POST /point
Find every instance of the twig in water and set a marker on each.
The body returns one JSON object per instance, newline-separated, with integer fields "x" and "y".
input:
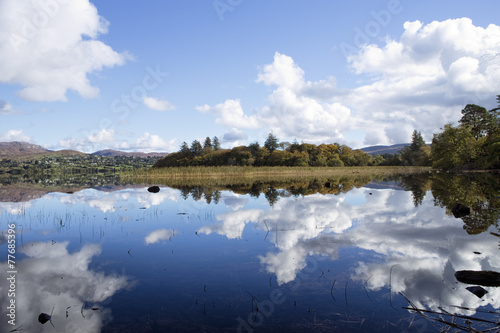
{"x": 390, "y": 286}
{"x": 420, "y": 312}
{"x": 51, "y": 312}
{"x": 331, "y": 290}
{"x": 254, "y": 299}
{"x": 364, "y": 287}
{"x": 17, "y": 329}
{"x": 345, "y": 293}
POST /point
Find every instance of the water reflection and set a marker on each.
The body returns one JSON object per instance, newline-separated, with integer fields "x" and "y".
{"x": 50, "y": 277}
{"x": 210, "y": 256}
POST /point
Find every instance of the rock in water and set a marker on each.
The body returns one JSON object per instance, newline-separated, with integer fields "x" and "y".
{"x": 460, "y": 210}
{"x": 482, "y": 278}
{"x": 154, "y": 189}
{"x": 43, "y": 318}
{"x": 478, "y": 291}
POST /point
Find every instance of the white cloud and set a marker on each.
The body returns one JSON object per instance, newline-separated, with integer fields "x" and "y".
{"x": 158, "y": 104}
{"x": 151, "y": 142}
{"x": 106, "y": 139}
{"x": 50, "y": 47}
{"x": 102, "y": 137}
{"x": 295, "y": 108}
{"x": 283, "y": 72}
{"x": 231, "y": 114}
{"x": 424, "y": 79}
{"x": 421, "y": 80}
{"x": 6, "y": 108}
{"x": 14, "y": 135}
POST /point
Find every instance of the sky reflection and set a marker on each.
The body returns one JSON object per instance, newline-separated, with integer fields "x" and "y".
{"x": 74, "y": 245}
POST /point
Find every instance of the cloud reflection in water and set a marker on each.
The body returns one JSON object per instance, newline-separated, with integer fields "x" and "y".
{"x": 51, "y": 277}
{"x": 423, "y": 246}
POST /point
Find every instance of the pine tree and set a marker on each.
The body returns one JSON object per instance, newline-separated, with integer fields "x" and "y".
{"x": 215, "y": 143}
{"x": 271, "y": 143}
{"x": 207, "y": 143}
{"x": 417, "y": 141}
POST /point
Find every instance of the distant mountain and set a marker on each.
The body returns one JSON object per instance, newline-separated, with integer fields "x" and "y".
{"x": 23, "y": 150}
{"x": 381, "y": 150}
{"x": 113, "y": 153}
{"x": 16, "y": 148}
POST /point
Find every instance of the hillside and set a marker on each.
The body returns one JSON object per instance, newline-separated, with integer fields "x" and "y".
{"x": 16, "y": 148}
{"x": 25, "y": 151}
{"x": 113, "y": 153}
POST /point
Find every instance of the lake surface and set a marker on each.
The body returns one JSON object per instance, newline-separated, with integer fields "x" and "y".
{"x": 342, "y": 256}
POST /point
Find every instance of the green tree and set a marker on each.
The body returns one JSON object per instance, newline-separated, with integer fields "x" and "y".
{"x": 215, "y": 143}
{"x": 271, "y": 143}
{"x": 184, "y": 148}
{"x": 455, "y": 147}
{"x": 477, "y": 119}
{"x": 196, "y": 147}
{"x": 417, "y": 141}
{"x": 208, "y": 143}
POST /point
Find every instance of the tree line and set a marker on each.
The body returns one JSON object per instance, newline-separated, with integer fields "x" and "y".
{"x": 473, "y": 144}
{"x": 272, "y": 153}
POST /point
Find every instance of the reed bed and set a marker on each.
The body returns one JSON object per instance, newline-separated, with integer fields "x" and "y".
{"x": 227, "y": 175}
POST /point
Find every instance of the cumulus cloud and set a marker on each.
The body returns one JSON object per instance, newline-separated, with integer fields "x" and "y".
{"x": 14, "y": 135}
{"x": 158, "y": 104}
{"x": 295, "y": 108}
{"x": 231, "y": 114}
{"x": 106, "y": 139}
{"x": 151, "y": 142}
{"x": 425, "y": 78}
{"x": 421, "y": 80}
{"x": 49, "y": 47}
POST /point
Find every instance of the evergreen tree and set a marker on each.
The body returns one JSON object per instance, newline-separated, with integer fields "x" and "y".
{"x": 215, "y": 143}
{"x": 196, "y": 147}
{"x": 184, "y": 148}
{"x": 417, "y": 141}
{"x": 271, "y": 143}
{"x": 207, "y": 143}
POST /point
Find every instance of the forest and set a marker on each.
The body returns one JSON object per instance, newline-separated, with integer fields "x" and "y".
{"x": 473, "y": 144}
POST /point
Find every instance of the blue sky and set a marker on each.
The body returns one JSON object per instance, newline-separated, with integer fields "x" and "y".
{"x": 148, "y": 76}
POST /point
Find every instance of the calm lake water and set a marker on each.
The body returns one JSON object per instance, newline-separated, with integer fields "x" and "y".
{"x": 342, "y": 256}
